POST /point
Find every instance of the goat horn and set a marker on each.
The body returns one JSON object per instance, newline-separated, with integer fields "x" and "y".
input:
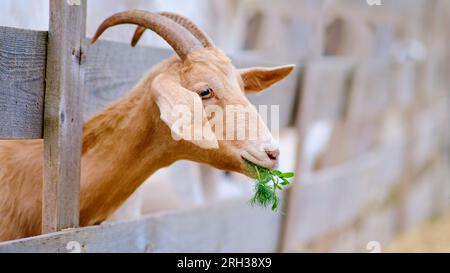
{"x": 181, "y": 40}
{"x": 181, "y": 20}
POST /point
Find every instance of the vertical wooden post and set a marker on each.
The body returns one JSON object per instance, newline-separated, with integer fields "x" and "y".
{"x": 290, "y": 197}
{"x": 406, "y": 180}
{"x": 63, "y": 117}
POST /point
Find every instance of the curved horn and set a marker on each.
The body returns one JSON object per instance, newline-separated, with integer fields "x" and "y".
{"x": 181, "y": 20}
{"x": 181, "y": 40}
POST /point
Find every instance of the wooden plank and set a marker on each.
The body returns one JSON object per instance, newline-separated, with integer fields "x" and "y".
{"x": 22, "y": 75}
{"x": 112, "y": 68}
{"x": 344, "y": 191}
{"x": 63, "y": 115}
{"x": 323, "y": 98}
{"x": 325, "y": 87}
{"x": 110, "y": 71}
{"x": 229, "y": 226}
{"x": 373, "y": 90}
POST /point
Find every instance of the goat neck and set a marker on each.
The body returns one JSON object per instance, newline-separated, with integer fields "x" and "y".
{"x": 122, "y": 146}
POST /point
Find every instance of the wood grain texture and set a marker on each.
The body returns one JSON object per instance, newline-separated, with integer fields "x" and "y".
{"x": 22, "y": 74}
{"x": 112, "y": 68}
{"x": 229, "y": 226}
{"x": 63, "y": 116}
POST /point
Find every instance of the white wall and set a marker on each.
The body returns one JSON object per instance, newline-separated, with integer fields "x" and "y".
{"x": 98, "y": 10}
{"x": 29, "y": 14}
{"x": 33, "y": 14}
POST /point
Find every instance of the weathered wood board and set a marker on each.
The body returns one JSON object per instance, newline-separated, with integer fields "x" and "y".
{"x": 331, "y": 198}
{"x": 231, "y": 226}
{"x": 22, "y": 75}
{"x": 110, "y": 71}
{"x": 373, "y": 82}
{"x": 325, "y": 88}
{"x": 63, "y": 116}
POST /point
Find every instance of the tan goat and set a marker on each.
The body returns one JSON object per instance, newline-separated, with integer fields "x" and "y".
{"x": 132, "y": 138}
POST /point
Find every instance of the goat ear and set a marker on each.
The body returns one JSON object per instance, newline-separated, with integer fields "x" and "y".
{"x": 182, "y": 110}
{"x": 258, "y": 78}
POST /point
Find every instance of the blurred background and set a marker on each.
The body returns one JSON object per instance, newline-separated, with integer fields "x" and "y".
{"x": 364, "y": 122}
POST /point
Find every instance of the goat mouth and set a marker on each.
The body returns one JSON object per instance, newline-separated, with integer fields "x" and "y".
{"x": 265, "y": 163}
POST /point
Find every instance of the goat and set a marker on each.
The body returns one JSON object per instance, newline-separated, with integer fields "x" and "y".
{"x": 133, "y": 137}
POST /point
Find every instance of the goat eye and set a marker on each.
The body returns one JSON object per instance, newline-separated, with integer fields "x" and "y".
{"x": 206, "y": 93}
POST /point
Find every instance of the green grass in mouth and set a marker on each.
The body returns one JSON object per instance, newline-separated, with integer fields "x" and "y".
{"x": 267, "y": 183}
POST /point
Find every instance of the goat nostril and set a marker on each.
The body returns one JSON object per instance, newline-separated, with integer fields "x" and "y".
{"x": 273, "y": 154}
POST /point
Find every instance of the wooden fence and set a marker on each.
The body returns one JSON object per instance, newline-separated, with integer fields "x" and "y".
{"x": 45, "y": 73}
{"x": 365, "y": 175}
